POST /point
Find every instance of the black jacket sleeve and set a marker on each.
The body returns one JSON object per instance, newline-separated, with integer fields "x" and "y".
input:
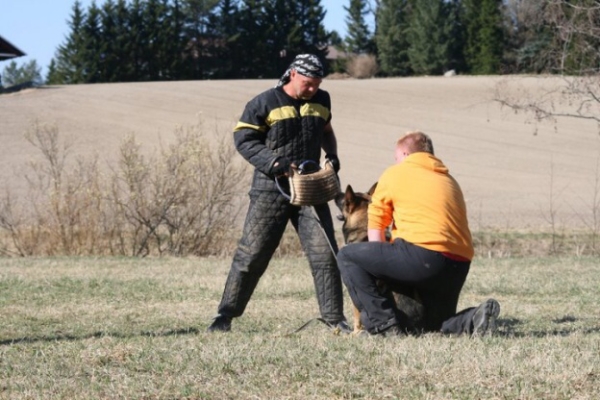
{"x": 250, "y": 136}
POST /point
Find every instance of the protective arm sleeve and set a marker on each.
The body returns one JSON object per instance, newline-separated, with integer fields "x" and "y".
{"x": 250, "y": 136}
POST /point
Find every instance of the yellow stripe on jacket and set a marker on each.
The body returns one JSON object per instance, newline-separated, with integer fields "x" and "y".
{"x": 425, "y": 204}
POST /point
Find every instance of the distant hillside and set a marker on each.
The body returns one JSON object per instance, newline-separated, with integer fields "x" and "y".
{"x": 512, "y": 178}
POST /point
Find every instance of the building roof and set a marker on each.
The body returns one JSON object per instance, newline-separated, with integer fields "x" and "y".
{"x": 333, "y": 53}
{"x": 8, "y": 50}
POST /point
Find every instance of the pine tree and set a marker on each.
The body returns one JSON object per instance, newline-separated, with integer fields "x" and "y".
{"x": 456, "y": 39}
{"x": 253, "y": 37}
{"x": 429, "y": 37}
{"x": 68, "y": 59}
{"x": 123, "y": 44}
{"x": 110, "y": 63}
{"x": 203, "y": 42}
{"x": 93, "y": 47}
{"x": 491, "y": 37}
{"x": 137, "y": 43}
{"x": 391, "y": 39}
{"x": 307, "y": 34}
{"x": 51, "y": 75}
{"x": 282, "y": 36}
{"x": 484, "y": 42}
{"x": 167, "y": 43}
{"x": 14, "y": 74}
{"x": 175, "y": 43}
{"x": 226, "y": 24}
{"x": 152, "y": 16}
{"x": 310, "y": 16}
{"x": 358, "y": 39}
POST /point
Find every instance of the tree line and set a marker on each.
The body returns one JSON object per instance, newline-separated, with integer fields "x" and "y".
{"x": 429, "y": 37}
{"x": 152, "y": 40}
{"x": 157, "y": 40}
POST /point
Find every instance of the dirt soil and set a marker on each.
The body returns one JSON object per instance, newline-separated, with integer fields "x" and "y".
{"x": 515, "y": 174}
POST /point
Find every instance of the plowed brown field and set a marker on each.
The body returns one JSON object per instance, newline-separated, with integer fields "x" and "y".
{"x": 514, "y": 173}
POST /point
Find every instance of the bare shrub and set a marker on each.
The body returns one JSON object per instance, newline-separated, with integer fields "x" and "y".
{"x": 59, "y": 214}
{"x": 180, "y": 201}
{"x": 362, "y": 66}
{"x": 573, "y": 54}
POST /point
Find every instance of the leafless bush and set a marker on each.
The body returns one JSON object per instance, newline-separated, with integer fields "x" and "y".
{"x": 59, "y": 214}
{"x": 565, "y": 97}
{"x": 577, "y": 34}
{"x": 573, "y": 54}
{"x": 180, "y": 201}
{"x": 362, "y": 66}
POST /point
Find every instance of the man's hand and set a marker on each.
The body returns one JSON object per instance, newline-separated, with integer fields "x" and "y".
{"x": 334, "y": 160}
{"x": 281, "y": 167}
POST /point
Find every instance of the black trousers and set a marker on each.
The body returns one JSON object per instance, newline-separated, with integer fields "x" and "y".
{"x": 268, "y": 214}
{"x": 437, "y": 280}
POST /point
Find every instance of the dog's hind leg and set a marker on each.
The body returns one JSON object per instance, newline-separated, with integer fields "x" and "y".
{"x": 357, "y": 325}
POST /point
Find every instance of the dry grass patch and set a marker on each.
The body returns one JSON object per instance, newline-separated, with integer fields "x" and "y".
{"x": 81, "y": 328}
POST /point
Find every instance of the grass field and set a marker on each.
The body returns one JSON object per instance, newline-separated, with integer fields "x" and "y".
{"x": 121, "y": 328}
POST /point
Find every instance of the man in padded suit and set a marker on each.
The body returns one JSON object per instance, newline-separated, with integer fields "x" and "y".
{"x": 280, "y": 128}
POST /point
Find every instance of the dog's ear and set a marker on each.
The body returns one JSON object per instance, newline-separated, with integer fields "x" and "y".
{"x": 372, "y": 190}
{"x": 349, "y": 190}
{"x": 349, "y": 199}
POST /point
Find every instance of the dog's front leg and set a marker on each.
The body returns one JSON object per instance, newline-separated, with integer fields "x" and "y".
{"x": 356, "y": 321}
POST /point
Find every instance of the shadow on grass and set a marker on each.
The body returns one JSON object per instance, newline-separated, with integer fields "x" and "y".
{"x": 100, "y": 334}
{"x": 510, "y": 328}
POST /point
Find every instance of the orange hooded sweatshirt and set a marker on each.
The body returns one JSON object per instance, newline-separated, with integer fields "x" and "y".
{"x": 425, "y": 204}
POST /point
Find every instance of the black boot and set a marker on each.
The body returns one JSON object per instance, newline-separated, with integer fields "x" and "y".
{"x": 221, "y": 323}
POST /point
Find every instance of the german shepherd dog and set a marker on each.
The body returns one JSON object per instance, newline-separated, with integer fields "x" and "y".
{"x": 353, "y": 207}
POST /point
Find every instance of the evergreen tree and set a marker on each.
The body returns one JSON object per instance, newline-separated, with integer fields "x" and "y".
{"x": 14, "y": 74}
{"x": 116, "y": 62}
{"x": 93, "y": 46}
{"x": 335, "y": 39}
{"x": 167, "y": 43}
{"x": 491, "y": 37}
{"x": 52, "y": 76}
{"x": 358, "y": 39}
{"x": 109, "y": 65}
{"x": 310, "y": 16}
{"x": 69, "y": 63}
{"x": 391, "y": 39}
{"x": 187, "y": 39}
{"x": 429, "y": 36}
{"x": 251, "y": 45}
{"x": 137, "y": 44}
{"x": 152, "y": 56}
{"x": 226, "y": 23}
{"x": 202, "y": 34}
{"x": 175, "y": 42}
{"x": 456, "y": 39}
{"x": 306, "y": 34}
{"x": 122, "y": 49}
{"x": 484, "y": 42}
{"x": 282, "y": 37}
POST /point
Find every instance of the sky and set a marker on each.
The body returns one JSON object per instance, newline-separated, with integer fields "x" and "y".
{"x": 38, "y": 27}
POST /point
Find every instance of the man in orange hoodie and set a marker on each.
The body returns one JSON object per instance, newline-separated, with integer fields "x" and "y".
{"x": 430, "y": 250}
